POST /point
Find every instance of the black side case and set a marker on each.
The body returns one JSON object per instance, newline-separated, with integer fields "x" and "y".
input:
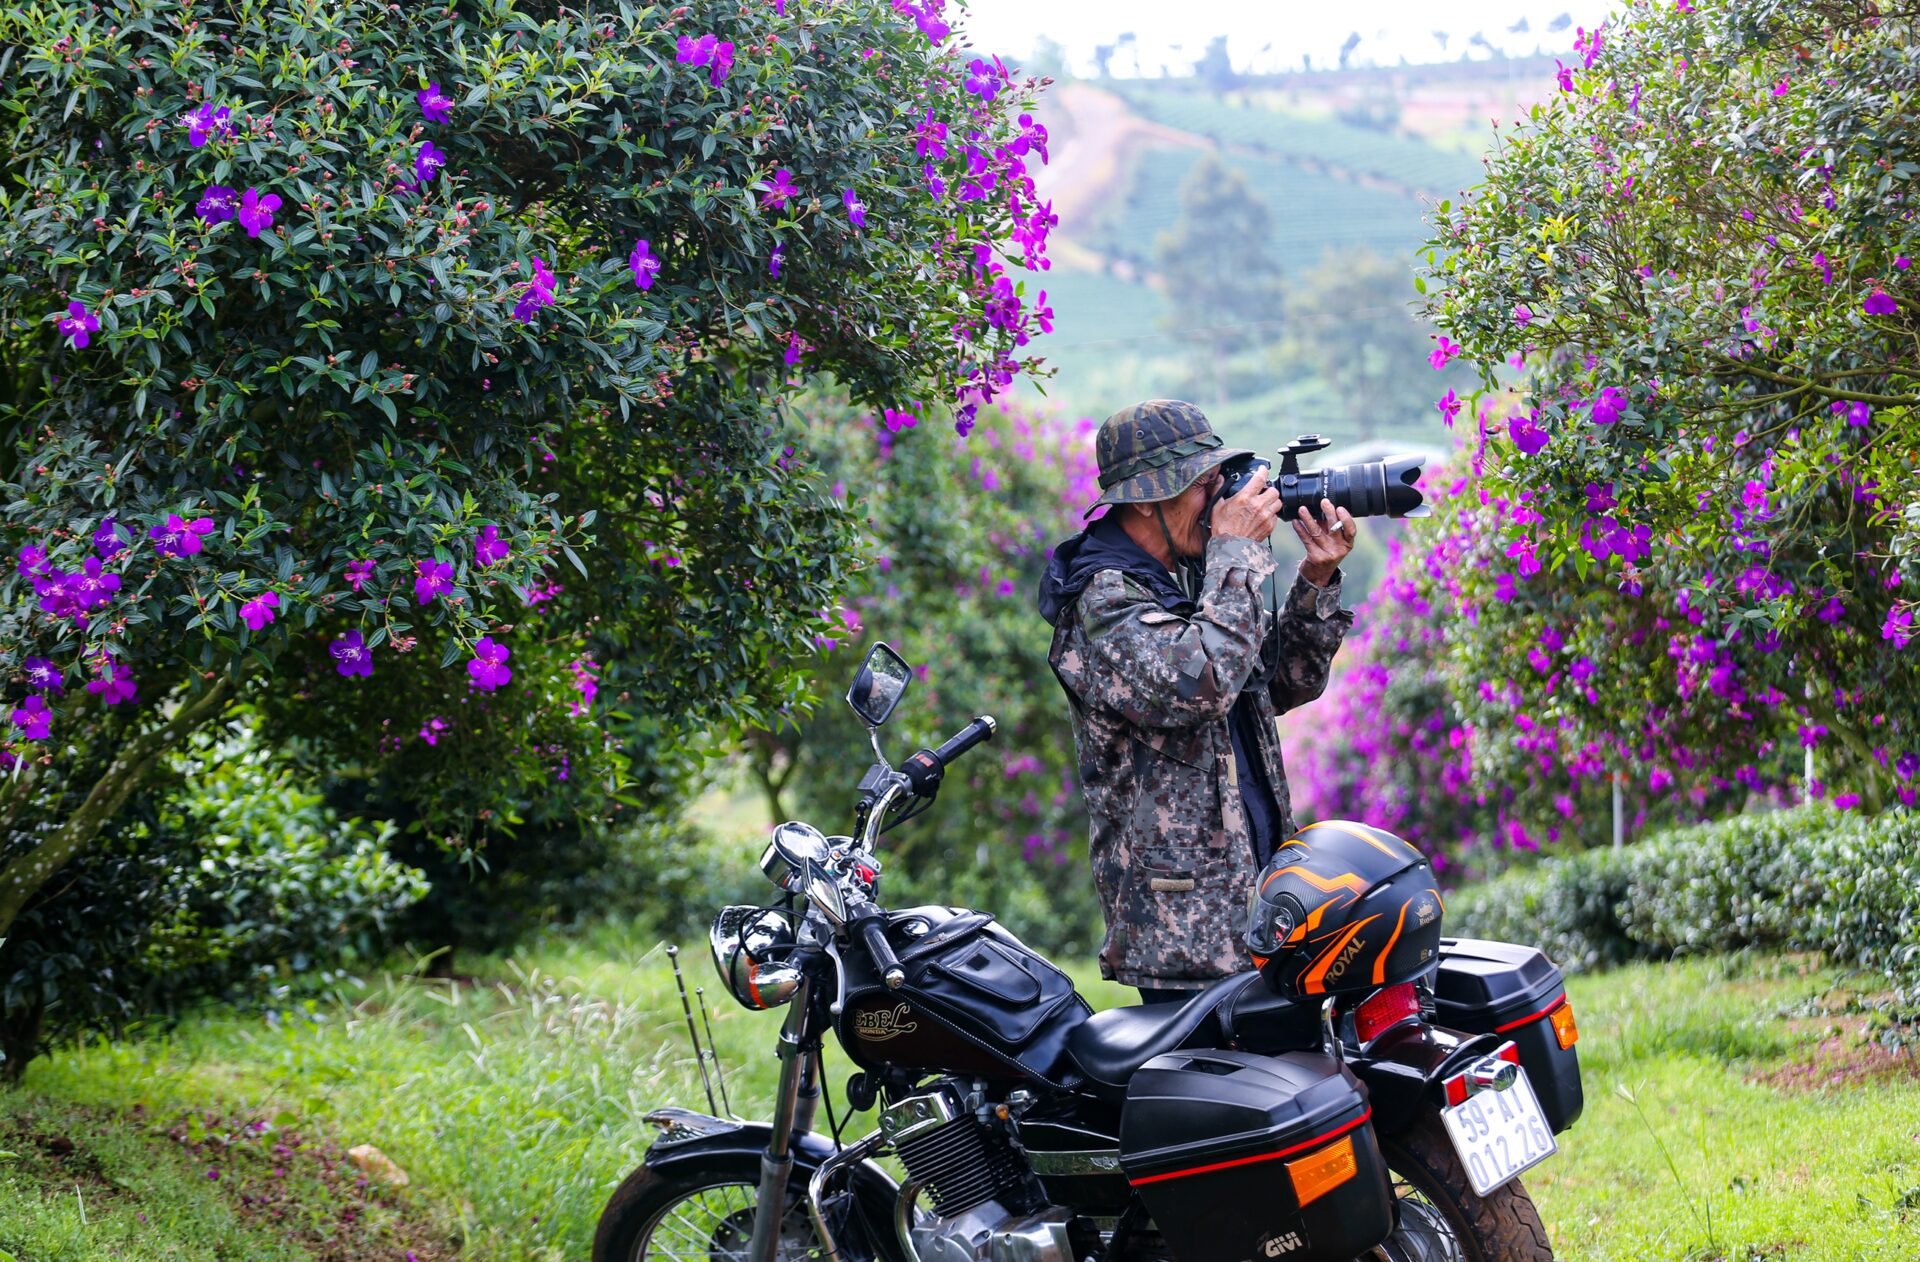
{"x": 1210, "y": 1141}
{"x": 1483, "y": 987}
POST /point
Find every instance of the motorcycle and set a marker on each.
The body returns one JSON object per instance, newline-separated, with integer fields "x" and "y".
{"x": 1369, "y": 1102}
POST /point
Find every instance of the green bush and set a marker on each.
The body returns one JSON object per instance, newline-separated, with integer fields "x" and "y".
{"x": 231, "y": 877}
{"x": 1807, "y": 879}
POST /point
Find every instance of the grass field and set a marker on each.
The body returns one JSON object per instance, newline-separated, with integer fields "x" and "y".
{"x": 512, "y": 1101}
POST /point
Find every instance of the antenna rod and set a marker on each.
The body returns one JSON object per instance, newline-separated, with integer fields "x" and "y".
{"x": 699, "y": 1056}
{"x": 713, "y": 1049}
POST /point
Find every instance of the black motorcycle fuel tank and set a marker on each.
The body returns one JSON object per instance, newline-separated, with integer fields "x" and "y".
{"x": 976, "y": 1000}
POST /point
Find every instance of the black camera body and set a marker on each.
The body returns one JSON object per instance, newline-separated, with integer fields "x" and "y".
{"x": 1377, "y": 488}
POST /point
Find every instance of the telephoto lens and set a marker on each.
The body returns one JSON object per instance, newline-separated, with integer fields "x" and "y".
{"x": 1377, "y": 488}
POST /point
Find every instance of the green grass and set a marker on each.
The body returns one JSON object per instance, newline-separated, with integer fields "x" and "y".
{"x": 514, "y": 1106}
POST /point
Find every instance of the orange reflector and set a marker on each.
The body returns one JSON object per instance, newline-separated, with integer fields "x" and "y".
{"x": 1315, "y": 1176}
{"x": 1564, "y": 1028}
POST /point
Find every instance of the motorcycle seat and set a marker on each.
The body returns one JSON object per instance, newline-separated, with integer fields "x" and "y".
{"x": 1109, "y": 1046}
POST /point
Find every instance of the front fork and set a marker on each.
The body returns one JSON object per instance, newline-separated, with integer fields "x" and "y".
{"x": 794, "y": 1101}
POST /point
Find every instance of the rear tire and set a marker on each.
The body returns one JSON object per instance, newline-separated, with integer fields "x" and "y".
{"x": 1441, "y": 1220}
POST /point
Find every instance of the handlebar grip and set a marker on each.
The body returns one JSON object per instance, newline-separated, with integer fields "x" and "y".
{"x": 966, "y": 738}
{"x": 873, "y": 932}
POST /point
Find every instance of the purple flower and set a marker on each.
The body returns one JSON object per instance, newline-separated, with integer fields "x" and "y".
{"x": 1449, "y": 407}
{"x": 488, "y": 669}
{"x": 434, "y": 103}
{"x": 256, "y": 211}
{"x": 56, "y": 600}
{"x": 1879, "y": 302}
{"x": 932, "y": 136}
{"x": 779, "y": 189}
{"x": 1902, "y": 263}
{"x": 31, "y": 561}
{"x": 79, "y": 324}
{"x": 644, "y": 264}
{"x": 428, "y": 160}
{"x": 1857, "y": 413}
{"x": 722, "y": 63}
{"x": 1600, "y": 497}
{"x": 488, "y": 547}
{"x": 218, "y": 204}
{"x": 1783, "y": 87}
{"x": 1564, "y": 76}
{"x": 205, "y": 123}
{"x": 109, "y": 539}
{"x": 1443, "y": 353}
{"x": 930, "y": 24}
{"x": 1527, "y": 434}
{"x": 1831, "y": 612}
{"x": 431, "y": 578}
{"x": 44, "y": 675}
{"x": 982, "y": 80}
{"x": 358, "y": 572}
{"x": 856, "y": 209}
{"x": 775, "y": 259}
{"x": 89, "y": 588}
{"x": 351, "y": 656}
{"x": 1522, "y": 315}
{"x": 115, "y": 684}
{"x": 539, "y": 292}
{"x": 179, "y": 538}
{"x": 33, "y": 719}
{"x": 258, "y": 612}
{"x": 1898, "y": 627}
{"x": 696, "y": 52}
{"x": 1608, "y": 406}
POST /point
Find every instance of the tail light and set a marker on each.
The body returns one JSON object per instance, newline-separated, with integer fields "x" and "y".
{"x": 1385, "y": 1009}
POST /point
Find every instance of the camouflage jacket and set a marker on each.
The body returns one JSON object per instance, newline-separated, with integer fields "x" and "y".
{"x": 1151, "y": 688}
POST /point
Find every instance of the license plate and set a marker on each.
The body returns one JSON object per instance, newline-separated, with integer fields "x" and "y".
{"x": 1499, "y": 1133}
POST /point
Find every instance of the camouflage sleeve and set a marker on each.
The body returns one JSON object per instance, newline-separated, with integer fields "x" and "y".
{"x": 1309, "y": 627}
{"x": 1158, "y": 669}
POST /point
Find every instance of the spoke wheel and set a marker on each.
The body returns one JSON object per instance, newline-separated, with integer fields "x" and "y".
{"x": 652, "y": 1219}
{"x": 1421, "y": 1232}
{"x": 715, "y": 1224}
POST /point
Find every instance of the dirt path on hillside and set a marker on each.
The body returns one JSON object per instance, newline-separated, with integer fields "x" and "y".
{"x": 1091, "y": 131}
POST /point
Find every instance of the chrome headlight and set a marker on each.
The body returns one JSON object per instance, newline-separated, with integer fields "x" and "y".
{"x": 752, "y": 949}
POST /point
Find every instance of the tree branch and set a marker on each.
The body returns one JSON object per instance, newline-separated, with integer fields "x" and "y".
{"x": 26, "y": 875}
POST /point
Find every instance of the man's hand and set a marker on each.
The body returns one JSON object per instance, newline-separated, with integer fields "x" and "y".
{"x": 1328, "y": 539}
{"x": 1250, "y": 514}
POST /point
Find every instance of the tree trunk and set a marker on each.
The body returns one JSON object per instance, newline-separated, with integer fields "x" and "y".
{"x": 27, "y": 874}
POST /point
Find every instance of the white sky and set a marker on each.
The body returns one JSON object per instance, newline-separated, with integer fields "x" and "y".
{"x": 1272, "y": 35}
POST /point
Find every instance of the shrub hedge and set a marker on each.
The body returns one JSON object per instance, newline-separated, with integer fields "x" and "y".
{"x": 1806, "y": 879}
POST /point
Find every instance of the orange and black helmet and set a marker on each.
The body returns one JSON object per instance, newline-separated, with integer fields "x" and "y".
{"x": 1343, "y": 907}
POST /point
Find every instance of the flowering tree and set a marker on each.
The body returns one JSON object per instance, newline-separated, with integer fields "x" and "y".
{"x": 1700, "y": 254}
{"x": 955, "y": 563}
{"x": 1485, "y": 707}
{"x": 335, "y": 333}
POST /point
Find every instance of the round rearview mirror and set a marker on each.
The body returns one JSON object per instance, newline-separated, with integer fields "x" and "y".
{"x": 882, "y": 681}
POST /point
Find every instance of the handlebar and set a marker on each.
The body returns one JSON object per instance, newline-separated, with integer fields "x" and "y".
{"x": 873, "y": 933}
{"x": 925, "y": 768}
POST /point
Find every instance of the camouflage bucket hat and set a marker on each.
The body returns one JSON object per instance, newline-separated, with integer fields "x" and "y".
{"x": 1155, "y": 450}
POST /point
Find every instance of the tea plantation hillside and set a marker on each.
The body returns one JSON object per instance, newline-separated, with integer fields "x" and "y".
{"x": 1365, "y": 151}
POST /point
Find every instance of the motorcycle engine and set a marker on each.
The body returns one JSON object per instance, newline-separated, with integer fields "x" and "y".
{"x": 987, "y": 1205}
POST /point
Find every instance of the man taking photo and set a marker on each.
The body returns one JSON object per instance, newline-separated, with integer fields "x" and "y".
{"x": 1175, "y": 672}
